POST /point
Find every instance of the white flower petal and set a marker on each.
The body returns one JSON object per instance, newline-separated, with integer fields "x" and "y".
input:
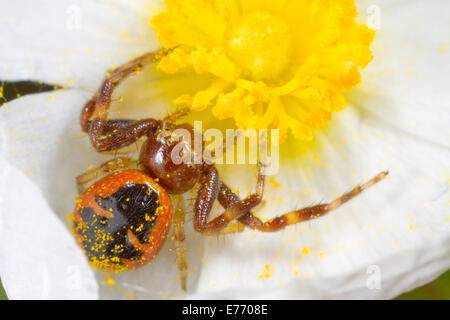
{"x": 72, "y": 42}
{"x": 39, "y": 258}
{"x": 407, "y": 83}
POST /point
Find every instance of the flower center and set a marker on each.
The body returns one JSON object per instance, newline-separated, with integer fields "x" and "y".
{"x": 268, "y": 63}
{"x": 260, "y": 44}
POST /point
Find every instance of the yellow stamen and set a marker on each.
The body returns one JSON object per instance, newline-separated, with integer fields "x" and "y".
{"x": 261, "y": 44}
{"x": 269, "y": 64}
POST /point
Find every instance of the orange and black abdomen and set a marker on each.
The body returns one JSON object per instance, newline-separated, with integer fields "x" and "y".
{"x": 122, "y": 221}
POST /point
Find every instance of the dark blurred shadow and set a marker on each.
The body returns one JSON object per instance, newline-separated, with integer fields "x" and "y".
{"x": 17, "y": 89}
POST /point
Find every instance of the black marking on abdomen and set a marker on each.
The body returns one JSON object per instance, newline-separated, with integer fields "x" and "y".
{"x": 134, "y": 208}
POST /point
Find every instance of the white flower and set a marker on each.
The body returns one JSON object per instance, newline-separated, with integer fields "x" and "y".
{"x": 391, "y": 239}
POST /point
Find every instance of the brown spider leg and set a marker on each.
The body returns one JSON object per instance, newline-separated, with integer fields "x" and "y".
{"x": 207, "y": 195}
{"x": 175, "y": 116}
{"x": 232, "y": 228}
{"x": 227, "y": 198}
{"x": 121, "y": 133}
{"x": 102, "y": 99}
{"x": 105, "y": 168}
{"x": 117, "y": 134}
{"x": 178, "y": 228}
{"x": 87, "y": 113}
{"x": 95, "y": 119}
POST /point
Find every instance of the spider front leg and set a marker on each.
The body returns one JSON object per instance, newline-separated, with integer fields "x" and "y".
{"x": 105, "y": 168}
{"x": 107, "y": 136}
{"x": 207, "y": 195}
{"x": 117, "y": 134}
{"x": 228, "y": 198}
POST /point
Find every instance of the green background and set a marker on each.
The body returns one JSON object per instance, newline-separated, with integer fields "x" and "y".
{"x": 437, "y": 290}
{"x": 2, "y": 292}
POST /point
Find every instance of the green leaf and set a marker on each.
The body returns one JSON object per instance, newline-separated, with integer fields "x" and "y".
{"x": 437, "y": 290}
{"x": 2, "y": 292}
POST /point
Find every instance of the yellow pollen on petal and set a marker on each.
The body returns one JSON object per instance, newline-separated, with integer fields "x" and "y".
{"x": 110, "y": 281}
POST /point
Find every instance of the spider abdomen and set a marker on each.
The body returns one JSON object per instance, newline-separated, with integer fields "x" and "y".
{"x": 122, "y": 221}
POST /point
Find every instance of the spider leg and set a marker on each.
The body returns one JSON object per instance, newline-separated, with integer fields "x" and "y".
{"x": 178, "y": 228}
{"x": 227, "y": 198}
{"x": 105, "y": 168}
{"x": 87, "y": 113}
{"x": 117, "y": 134}
{"x": 232, "y": 228}
{"x": 94, "y": 116}
{"x": 207, "y": 195}
{"x": 175, "y": 116}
